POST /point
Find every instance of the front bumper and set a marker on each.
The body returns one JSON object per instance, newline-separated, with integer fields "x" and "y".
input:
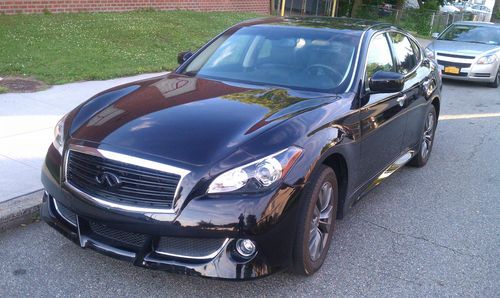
{"x": 472, "y": 72}
{"x": 268, "y": 220}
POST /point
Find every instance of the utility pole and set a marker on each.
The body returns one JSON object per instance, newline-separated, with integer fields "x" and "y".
{"x": 283, "y": 2}
{"x": 334, "y": 8}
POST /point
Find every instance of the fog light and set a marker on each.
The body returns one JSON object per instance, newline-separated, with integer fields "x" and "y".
{"x": 245, "y": 247}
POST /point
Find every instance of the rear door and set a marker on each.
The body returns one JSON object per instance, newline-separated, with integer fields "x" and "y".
{"x": 382, "y": 116}
{"x": 410, "y": 63}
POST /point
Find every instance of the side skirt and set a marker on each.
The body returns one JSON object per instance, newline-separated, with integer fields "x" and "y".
{"x": 396, "y": 165}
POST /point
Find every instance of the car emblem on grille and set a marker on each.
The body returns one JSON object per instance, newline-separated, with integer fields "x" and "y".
{"x": 108, "y": 180}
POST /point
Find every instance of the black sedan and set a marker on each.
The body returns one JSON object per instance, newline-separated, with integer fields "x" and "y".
{"x": 237, "y": 164}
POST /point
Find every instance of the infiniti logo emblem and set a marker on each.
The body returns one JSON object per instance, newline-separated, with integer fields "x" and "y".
{"x": 108, "y": 180}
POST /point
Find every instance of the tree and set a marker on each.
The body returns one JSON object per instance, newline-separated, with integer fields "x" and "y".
{"x": 495, "y": 16}
{"x": 356, "y": 5}
{"x": 430, "y": 4}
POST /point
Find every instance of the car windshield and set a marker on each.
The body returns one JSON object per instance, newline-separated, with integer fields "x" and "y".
{"x": 299, "y": 58}
{"x": 473, "y": 34}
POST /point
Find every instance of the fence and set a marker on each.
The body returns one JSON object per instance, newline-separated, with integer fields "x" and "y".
{"x": 440, "y": 21}
{"x": 304, "y": 7}
{"x": 423, "y": 22}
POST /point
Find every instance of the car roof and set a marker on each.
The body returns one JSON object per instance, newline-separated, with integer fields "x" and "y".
{"x": 317, "y": 22}
{"x": 485, "y": 24}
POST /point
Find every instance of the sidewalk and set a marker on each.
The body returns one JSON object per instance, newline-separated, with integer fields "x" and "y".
{"x": 26, "y": 130}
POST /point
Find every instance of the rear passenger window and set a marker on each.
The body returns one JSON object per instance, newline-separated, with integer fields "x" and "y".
{"x": 379, "y": 56}
{"x": 407, "y": 59}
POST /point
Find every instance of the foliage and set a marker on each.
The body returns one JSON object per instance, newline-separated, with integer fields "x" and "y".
{"x": 417, "y": 20}
{"x": 431, "y": 5}
{"x": 61, "y": 48}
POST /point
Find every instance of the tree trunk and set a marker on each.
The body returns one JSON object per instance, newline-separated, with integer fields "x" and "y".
{"x": 356, "y": 5}
{"x": 495, "y": 12}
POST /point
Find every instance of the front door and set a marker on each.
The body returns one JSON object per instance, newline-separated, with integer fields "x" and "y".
{"x": 382, "y": 115}
{"x": 417, "y": 74}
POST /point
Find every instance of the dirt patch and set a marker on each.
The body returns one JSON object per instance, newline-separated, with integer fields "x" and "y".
{"x": 18, "y": 84}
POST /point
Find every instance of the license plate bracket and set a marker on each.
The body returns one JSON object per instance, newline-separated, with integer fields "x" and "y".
{"x": 452, "y": 70}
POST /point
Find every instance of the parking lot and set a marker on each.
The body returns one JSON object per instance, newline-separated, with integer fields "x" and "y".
{"x": 430, "y": 231}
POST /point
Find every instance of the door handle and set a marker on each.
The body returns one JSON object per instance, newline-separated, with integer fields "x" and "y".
{"x": 401, "y": 100}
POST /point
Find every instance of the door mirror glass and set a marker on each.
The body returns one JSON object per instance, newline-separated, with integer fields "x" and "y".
{"x": 435, "y": 35}
{"x": 184, "y": 56}
{"x": 386, "y": 82}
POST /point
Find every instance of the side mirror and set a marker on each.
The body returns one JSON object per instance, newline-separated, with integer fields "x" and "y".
{"x": 435, "y": 35}
{"x": 386, "y": 82}
{"x": 184, "y": 56}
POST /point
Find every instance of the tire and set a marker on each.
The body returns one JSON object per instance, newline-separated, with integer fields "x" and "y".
{"x": 306, "y": 259}
{"x": 426, "y": 139}
{"x": 496, "y": 82}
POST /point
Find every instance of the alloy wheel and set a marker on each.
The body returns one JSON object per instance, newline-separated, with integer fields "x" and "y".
{"x": 428, "y": 135}
{"x": 321, "y": 221}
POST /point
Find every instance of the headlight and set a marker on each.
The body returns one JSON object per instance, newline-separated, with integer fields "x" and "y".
{"x": 429, "y": 53}
{"x": 59, "y": 135}
{"x": 489, "y": 59}
{"x": 258, "y": 175}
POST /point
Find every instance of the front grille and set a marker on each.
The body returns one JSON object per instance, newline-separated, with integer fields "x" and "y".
{"x": 455, "y": 55}
{"x": 456, "y": 64}
{"x": 122, "y": 237}
{"x": 65, "y": 213}
{"x": 140, "y": 186}
{"x": 189, "y": 247}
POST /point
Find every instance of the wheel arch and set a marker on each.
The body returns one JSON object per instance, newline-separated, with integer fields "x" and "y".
{"x": 338, "y": 164}
{"x": 437, "y": 105}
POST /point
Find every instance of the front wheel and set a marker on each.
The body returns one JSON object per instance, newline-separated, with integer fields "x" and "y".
{"x": 426, "y": 140}
{"x": 316, "y": 222}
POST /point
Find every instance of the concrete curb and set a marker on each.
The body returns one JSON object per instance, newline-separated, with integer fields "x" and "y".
{"x": 24, "y": 209}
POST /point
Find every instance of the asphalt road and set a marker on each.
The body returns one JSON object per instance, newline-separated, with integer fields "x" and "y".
{"x": 432, "y": 231}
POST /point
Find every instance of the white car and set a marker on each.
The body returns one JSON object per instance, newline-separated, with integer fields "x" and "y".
{"x": 468, "y": 51}
{"x": 448, "y": 9}
{"x": 478, "y": 8}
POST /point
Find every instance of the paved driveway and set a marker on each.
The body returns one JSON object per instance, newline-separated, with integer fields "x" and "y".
{"x": 431, "y": 231}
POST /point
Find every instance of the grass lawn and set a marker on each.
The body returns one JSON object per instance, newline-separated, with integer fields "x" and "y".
{"x": 63, "y": 48}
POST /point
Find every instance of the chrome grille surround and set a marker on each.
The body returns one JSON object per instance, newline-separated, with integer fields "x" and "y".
{"x": 129, "y": 160}
{"x": 452, "y": 55}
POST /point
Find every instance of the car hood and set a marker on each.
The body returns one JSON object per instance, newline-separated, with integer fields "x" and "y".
{"x": 187, "y": 120}
{"x": 461, "y": 48}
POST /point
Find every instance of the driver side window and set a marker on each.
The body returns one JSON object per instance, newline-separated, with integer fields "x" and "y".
{"x": 379, "y": 56}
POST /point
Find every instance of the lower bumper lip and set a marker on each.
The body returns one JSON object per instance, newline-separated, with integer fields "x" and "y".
{"x": 219, "y": 264}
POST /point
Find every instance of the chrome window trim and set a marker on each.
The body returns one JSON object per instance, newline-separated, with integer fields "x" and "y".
{"x": 128, "y": 160}
{"x": 210, "y": 256}
{"x": 56, "y": 206}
